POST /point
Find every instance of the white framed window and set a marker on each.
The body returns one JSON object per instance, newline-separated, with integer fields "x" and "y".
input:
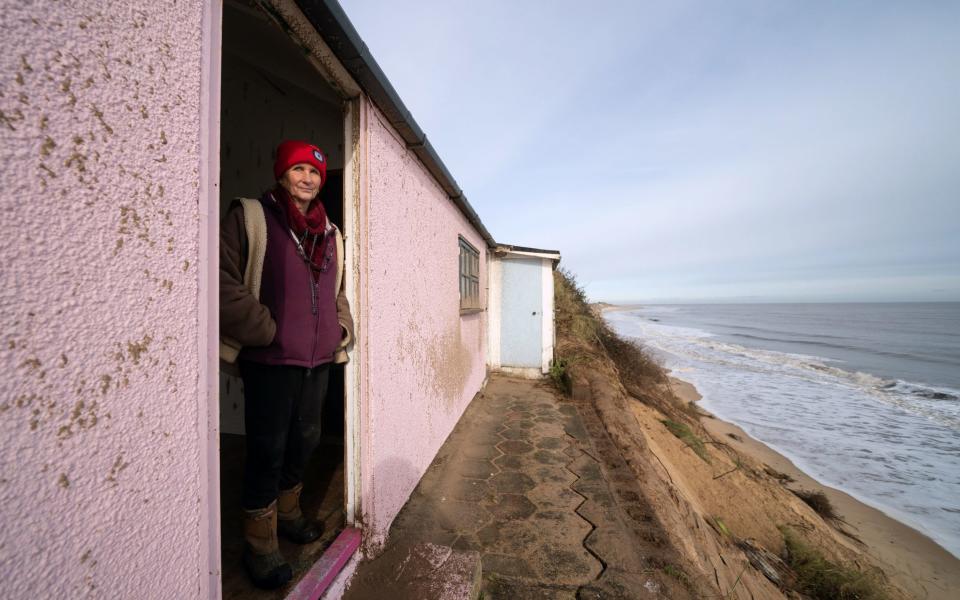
{"x": 469, "y": 277}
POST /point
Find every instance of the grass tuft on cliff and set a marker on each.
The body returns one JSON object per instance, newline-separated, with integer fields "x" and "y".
{"x": 819, "y": 502}
{"x": 583, "y": 337}
{"x": 684, "y": 434}
{"x": 822, "y": 579}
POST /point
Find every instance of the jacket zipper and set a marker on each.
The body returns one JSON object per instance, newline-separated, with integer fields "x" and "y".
{"x": 313, "y": 309}
{"x": 314, "y": 288}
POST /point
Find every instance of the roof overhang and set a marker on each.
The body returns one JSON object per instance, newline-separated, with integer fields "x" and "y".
{"x": 510, "y": 251}
{"x": 330, "y": 21}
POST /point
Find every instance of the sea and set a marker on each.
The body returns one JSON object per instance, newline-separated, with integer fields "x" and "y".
{"x": 865, "y": 398}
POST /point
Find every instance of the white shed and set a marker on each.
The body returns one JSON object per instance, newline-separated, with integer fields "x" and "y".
{"x": 520, "y": 307}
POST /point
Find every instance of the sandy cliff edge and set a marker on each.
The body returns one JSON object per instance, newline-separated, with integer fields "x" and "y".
{"x": 723, "y": 499}
{"x": 912, "y": 560}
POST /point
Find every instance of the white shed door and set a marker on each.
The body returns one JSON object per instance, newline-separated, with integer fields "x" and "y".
{"x": 522, "y": 322}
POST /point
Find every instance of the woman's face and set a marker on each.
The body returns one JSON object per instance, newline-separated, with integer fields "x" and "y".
{"x": 302, "y": 180}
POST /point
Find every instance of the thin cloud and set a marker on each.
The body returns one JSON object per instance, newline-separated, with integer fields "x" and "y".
{"x": 694, "y": 150}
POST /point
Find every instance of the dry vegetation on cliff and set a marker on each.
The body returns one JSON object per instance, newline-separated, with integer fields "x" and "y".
{"x": 741, "y": 532}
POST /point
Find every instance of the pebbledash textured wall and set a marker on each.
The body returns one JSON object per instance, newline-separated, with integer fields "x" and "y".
{"x": 102, "y": 426}
{"x": 423, "y": 360}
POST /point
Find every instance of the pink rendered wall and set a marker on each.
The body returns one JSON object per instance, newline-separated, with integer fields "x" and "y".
{"x": 423, "y": 361}
{"x": 103, "y": 417}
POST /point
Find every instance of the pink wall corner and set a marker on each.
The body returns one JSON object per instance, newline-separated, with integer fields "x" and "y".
{"x": 104, "y": 435}
{"x": 424, "y": 361}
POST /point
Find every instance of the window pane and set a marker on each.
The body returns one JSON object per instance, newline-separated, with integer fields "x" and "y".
{"x": 469, "y": 275}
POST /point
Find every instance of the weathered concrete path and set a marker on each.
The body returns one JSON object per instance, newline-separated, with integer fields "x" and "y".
{"x": 519, "y": 483}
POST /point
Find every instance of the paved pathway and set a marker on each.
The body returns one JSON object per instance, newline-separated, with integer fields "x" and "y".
{"x": 517, "y": 481}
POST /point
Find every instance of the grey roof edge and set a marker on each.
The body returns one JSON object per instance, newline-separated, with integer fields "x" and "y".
{"x": 333, "y": 25}
{"x": 504, "y": 248}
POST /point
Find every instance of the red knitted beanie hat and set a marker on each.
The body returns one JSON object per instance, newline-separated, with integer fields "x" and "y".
{"x": 292, "y": 152}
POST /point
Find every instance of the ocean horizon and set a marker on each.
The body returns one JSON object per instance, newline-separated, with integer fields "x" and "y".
{"x": 864, "y": 397}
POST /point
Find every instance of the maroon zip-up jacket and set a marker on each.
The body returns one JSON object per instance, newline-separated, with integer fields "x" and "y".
{"x": 305, "y": 308}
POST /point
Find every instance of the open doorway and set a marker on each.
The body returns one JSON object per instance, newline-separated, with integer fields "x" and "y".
{"x": 269, "y": 93}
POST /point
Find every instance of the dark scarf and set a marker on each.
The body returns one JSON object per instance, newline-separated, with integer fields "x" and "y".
{"x": 316, "y": 247}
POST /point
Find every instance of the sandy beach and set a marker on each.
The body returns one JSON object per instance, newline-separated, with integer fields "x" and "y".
{"x": 911, "y": 559}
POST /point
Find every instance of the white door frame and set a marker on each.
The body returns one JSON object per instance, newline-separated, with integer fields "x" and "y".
{"x": 208, "y": 276}
{"x": 352, "y": 374}
{"x": 301, "y": 31}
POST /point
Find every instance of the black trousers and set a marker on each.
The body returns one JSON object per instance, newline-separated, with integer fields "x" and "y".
{"x": 282, "y": 410}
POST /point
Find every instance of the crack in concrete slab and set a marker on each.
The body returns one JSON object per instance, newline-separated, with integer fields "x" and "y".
{"x": 583, "y": 542}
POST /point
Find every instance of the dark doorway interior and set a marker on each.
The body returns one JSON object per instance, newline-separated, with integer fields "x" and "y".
{"x": 269, "y": 93}
{"x": 322, "y": 499}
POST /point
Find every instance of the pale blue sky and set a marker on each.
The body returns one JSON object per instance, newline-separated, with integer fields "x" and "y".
{"x": 769, "y": 150}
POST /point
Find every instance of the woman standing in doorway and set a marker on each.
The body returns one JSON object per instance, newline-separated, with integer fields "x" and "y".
{"x": 284, "y": 314}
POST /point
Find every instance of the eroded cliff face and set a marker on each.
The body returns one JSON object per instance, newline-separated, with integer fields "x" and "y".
{"x": 694, "y": 551}
{"x": 720, "y": 517}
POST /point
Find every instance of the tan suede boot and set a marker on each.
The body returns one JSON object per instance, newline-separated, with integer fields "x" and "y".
{"x": 291, "y": 523}
{"x": 262, "y": 557}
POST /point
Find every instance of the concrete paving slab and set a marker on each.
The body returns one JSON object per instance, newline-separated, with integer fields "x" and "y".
{"x": 552, "y": 474}
{"x": 519, "y": 483}
{"x": 551, "y": 457}
{"x": 563, "y": 563}
{"x": 418, "y": 572}
{"x": 514, "y": 447}
{"x": 473, "y": 490}
{"x": 512, "y": 462}
{"x": 457, "y": 516}
{"x": 472, "y": 468}
{"x": 514, "y": 538}
{"x": 481, "y": 451}
{"x": 556, "y": 496}
{"x": 509, "y": 588}
{"x": 512, "y": 482}
{"x": 512, "y": 507}
{"x": 506, "y": 564}
{"x": 552, "y": 443}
